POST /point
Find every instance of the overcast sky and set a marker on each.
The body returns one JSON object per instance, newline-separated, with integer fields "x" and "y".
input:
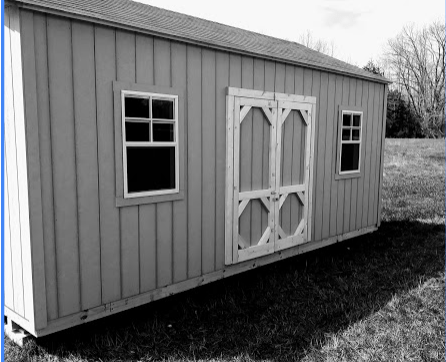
{"x": 359, "y": 29}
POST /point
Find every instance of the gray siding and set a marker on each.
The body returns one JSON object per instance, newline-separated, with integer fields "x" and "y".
{"x": 96, "y": 253}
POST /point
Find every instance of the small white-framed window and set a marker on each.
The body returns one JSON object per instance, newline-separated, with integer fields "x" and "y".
{"x": 150, "y": 143}
{"x": 350, "y": 139}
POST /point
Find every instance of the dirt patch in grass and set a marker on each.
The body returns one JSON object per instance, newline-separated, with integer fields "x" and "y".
{"x": 379, "y": 297}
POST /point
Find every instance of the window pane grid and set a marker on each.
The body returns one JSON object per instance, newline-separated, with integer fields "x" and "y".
{"x": 350, "y": 139}
{"x": 345, "y": 128}
{"x": 350, "y": 142}
{"x": 143, "y": 138}
{"x": 150, "y": 120}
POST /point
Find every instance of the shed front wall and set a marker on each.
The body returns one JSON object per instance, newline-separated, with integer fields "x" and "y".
{"x": 95, "y": 252}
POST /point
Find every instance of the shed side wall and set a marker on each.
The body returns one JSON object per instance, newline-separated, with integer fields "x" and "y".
{"x": 97, "y": 253}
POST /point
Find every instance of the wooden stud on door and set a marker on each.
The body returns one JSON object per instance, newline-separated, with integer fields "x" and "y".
{"x": 229, "y": 178}
{"x": 273, "y": 175}
{"x": 236, "y": 188}
{"x": 278, "y": 145}
{"x": 309, "y": 171}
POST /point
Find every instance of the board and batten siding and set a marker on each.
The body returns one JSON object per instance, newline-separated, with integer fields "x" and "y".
{"x": 95, "y": 252}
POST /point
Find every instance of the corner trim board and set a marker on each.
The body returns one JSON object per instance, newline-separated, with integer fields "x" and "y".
{"x": 383, "y": 146}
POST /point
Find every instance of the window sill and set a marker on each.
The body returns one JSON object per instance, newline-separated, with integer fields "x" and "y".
{"x": 347, "y": 176}
{"x": 122, "y": 202}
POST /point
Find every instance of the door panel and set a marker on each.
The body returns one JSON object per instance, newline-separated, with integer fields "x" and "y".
{"x": 252, "y": 175}
{"x": 247, "y": 243}
{"x": 292, "y": 182}
{"x": 268, "y": 168}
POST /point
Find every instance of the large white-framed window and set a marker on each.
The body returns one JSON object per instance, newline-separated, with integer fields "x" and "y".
{"x": 150, "y": 144}
{"x": 349, "y": 143}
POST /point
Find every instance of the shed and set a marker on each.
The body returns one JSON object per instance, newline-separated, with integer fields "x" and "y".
{"x": 149, "y": 152}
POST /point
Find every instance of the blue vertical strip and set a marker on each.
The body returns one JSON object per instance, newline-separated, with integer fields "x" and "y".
{"x": 2, "y": 353}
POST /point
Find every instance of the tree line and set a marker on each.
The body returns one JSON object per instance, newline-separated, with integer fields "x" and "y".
{"x": 415, "y": 62}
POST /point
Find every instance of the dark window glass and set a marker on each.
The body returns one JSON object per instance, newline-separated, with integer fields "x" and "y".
{"x": 350, "y": 157}
{"x": 137, "y": 107}
{"x": 150, "y": 168}
{"x": 346, "y": 119}
{"x": 355, "y": 135}
{"x": 162, "y": 109}
{"x": 346, "y": 134}
{"x": 137, "y": 131}
{"x": 356, "y": 120}
{"x": 163, "y": 132}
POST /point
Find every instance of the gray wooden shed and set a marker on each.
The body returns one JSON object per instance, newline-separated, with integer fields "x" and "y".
{"x": 149, "y": 152}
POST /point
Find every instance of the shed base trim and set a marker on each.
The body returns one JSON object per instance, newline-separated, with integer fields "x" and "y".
{"x": 138, "y": 300}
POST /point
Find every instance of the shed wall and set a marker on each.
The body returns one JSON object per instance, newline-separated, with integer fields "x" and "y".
{"x": 94, "y": 252}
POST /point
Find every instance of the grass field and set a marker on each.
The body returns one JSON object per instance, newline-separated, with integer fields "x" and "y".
{"x": 379, "y": 297}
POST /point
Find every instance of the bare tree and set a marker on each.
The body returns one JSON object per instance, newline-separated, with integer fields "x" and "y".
{"x": 319, "y": 45}
{"x": 416, "y": 58}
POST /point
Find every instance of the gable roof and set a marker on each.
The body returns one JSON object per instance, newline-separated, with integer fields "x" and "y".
{"x": 149, "y": 19}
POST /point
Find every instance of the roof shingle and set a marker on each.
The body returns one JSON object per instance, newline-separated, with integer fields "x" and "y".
{"x": 146, "y": 18}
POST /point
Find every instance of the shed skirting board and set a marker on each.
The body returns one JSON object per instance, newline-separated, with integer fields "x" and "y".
{"x": 138, "y": 300}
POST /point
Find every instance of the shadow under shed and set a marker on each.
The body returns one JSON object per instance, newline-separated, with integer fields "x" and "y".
{"x": 275, "y": 312}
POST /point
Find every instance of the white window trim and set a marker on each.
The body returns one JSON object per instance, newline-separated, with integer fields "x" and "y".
{"x": 342, "y": 142}
{"x": 126, "y": 143}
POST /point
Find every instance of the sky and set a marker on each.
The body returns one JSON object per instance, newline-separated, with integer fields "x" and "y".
{"x": 359, "y": 29}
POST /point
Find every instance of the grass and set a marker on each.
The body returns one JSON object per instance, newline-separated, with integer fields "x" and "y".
{"x": 379, "y": 297}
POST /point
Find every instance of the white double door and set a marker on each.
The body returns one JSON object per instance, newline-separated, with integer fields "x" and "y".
{"x": 268, "y": 175}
